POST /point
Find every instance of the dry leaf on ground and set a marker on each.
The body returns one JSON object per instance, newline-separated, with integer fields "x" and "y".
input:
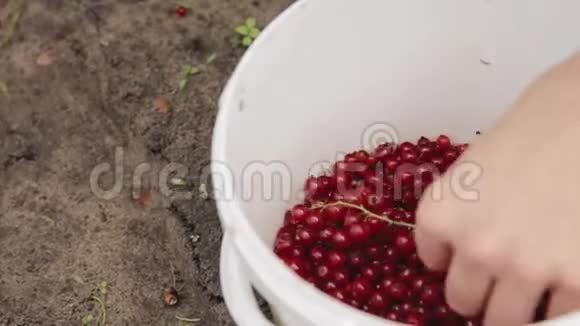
{"x": 146, "y": 199}
{"x": 162, "y": 105}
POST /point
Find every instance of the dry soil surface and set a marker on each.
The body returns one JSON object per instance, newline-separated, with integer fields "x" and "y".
{"x": 81, "y": 81}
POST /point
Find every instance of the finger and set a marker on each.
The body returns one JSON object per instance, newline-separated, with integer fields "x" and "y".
{"x": 467, "y": 287}
{"x": 512, "y": 302}
{"x": 433, "y": 251}
{"x": 563, "y": 302}
{"x": 433, "y": 232}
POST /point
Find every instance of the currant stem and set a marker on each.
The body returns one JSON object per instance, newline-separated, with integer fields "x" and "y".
{"x": 366, "y": 212}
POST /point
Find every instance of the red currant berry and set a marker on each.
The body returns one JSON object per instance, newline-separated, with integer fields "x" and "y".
{"x": 329, "y": 286}
{"x": 409, "y": 157}
{"x": 378, "y": 301}
{"x": 356, "y": 259}
{"x": 417, "y": 285}
{"x": 335, "y": 214}
{"x": 325, "y": 235}
{"x": 336, "y": 259}
{"x": 299, "y": 266}
{"x": 443, "y": 142}
{"x": 340, "y": 240}
{"x": 305, "y": 237}
{"x": 370, "y": 273}
{"x": 318, "y": 255}
{"x": 423, "y": 141}
{"x": 388, "y": 269}
{"x": 385, "y": 284}
{"x": 415, "y": 318}
{"x": 298, "y": 215}
{"x": 352, "y": 217}
{"x": 384, "y": 150}
{"x": 323, "y": 273}
{"x": 359, "y": 232}
{"x": 339, "y": 294}
{"x": 360, "y": 289}
{"x": 181, "y": 11}
{"x": 341, "y": 277}
{"x": 392, "y": 315}
{"x": 405, "y": 244}
{"x": 425, "y": 153}
{"x": 391, "y": 255}
{"x": 406, "y": 147}
{"x": 432, "y": 295}
{"x": 315, "y": 220}
{"x": 398, "y": 291}
{"x": 374, "y": 252}
{"x": 407, "y": 275}
{"x": 391, "y": 164}
{"x": 283, "y": 243}
{"x": 439, "y": 163}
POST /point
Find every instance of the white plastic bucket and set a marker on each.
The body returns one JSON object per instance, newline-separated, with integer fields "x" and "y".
{"x": 331, "y": 76}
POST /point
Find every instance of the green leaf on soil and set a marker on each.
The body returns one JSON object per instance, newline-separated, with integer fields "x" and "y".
{"x": 103, "y": 308}
{"x": 185, "y": 70}
{"x": 254, "y": 32}
{"x": 211, "y": 58}
{"x": 12, "y": 23}
{"x": 87, "y": 320}
{"x": 4, "y": 89}
{"x": 104, "y": 287}
{"x": 247, "y": 41}
{"x": 182, "y": 84}
{"x": 251, "y": 22}
{"x": 243, "y": 30}
{"x": 194, "y": 70}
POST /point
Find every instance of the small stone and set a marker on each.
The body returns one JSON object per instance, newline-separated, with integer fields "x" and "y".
{"x": 170, "y": 297}
{"x": 203, "y": 194}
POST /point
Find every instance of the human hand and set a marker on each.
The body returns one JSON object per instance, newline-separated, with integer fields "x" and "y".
{"x": 521, "y": 237}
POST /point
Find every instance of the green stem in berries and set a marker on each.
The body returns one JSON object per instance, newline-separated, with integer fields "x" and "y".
{"x": 366, "y": 212}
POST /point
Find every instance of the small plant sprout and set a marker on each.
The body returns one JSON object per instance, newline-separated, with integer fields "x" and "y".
{"x": 12, "y": 18}
{"x": 87, "y": 320}
{"x": 211, "y": 58}
{"x": 102, "y": 302}
{"x": 4, "y": 89}
{"x": 186, "y": 72}
{"x": 104, "y": 288}
{"x": 249, "y": 31}
{"x": 184, "y": 320}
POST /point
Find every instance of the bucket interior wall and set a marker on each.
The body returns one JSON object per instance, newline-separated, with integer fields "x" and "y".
{"x": 335, "y": 72}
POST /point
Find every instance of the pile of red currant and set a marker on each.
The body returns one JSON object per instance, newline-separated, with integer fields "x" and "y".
{"x": 353, "y": 235}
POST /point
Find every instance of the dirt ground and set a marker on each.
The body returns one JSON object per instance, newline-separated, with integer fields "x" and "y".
{"x": 81, "y": 78}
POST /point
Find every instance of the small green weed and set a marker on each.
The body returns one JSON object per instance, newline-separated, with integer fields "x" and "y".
{"x": 101, "y": 320}
{"x": 249, "y": 31}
